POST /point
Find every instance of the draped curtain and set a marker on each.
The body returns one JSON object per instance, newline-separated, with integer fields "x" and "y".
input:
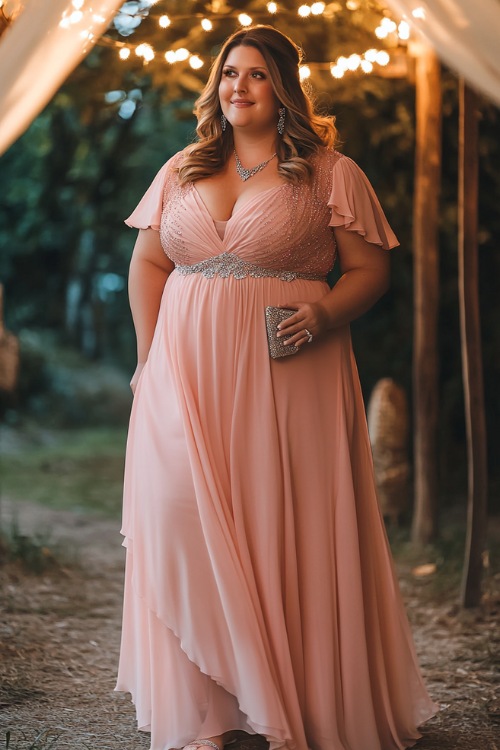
{"x": 465, "y": 35}
{"x": 47, "y": 39}
{"x": 50, "y": 37}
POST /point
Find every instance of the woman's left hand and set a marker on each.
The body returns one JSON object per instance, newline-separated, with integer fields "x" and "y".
{"x": 310, "y": 320}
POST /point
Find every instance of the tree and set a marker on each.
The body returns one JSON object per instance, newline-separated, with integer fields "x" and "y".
{"x": 86, "y": 160}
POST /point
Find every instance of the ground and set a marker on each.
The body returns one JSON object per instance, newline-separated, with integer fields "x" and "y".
{"x": 59, "y": 640}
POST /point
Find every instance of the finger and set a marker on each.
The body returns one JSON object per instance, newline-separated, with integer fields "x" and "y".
{"x": 293, "y": 319}
{"x": 289, "y": 323}
{"x": 297, "y": 340}
{"x": 293, "y": 324}
{"x": 297, "y": 329}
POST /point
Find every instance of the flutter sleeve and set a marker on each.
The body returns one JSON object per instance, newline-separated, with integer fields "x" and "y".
{"x": 148, "y": 211}
{"x": 356, "y": 207}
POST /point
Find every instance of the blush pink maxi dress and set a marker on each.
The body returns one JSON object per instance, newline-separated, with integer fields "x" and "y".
{"x": 260, "y": 593}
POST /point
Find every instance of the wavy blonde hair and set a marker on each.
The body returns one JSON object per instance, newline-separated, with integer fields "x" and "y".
{"x": 305, "y": 131}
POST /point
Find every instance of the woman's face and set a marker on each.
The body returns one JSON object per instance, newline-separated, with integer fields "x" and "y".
{"x": 246, "y": 94}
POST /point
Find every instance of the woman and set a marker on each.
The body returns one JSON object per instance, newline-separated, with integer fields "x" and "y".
{"x": 260, "y": 595}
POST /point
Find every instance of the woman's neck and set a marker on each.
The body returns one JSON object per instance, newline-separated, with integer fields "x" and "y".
{"x": 254, "y": 147}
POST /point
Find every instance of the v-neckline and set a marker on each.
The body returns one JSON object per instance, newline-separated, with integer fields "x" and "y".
{"x": 239, "y": 208}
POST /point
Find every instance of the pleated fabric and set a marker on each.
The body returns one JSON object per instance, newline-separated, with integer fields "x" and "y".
{"x": 259, "y": 591}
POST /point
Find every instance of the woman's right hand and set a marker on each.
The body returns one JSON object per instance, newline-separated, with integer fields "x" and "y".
{"x": 136, "y": 375}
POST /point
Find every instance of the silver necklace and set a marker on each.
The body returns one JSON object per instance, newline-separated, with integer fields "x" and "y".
{"x": 245, "y": 174}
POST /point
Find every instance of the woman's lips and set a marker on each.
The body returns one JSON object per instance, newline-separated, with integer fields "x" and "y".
{"x": 241, "y": 103}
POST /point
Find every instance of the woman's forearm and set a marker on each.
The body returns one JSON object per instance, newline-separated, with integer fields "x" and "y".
{"x": 145, "y": 286}
{"x": 354, "y": 293}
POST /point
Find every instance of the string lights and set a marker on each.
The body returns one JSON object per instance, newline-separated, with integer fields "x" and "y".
{"x": 131, "y": 14}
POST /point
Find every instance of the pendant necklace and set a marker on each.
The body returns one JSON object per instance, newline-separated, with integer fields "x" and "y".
{"x": 245, "y": 174}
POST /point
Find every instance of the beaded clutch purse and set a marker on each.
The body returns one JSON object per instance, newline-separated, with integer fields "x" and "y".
{"x": 274, "y": 316}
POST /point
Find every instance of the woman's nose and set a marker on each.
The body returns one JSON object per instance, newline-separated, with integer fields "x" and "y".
{"x": 239, "y": 85}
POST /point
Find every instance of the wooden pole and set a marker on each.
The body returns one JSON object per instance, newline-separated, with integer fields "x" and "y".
{"x": 426, "y": 293}
{"x": 470, "y": 332}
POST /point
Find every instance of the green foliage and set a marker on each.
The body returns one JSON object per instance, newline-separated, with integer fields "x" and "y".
{"x": 70, "y": 181}
{"x": 63, "y": 389}
{"x": 74, "y": 470}
{"x": 323, "y": 38}
{"x": 84, "y": 163}
{"x": 34, "y": 553}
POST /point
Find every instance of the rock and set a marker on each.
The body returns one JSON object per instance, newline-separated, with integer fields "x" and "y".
{"x": 388, "y": 425}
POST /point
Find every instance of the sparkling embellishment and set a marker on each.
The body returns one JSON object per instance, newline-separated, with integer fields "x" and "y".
{"x": 281, "y": 120}
{"x": 285, "y": 228}
{"x": 229, "y": 264}
{"x": 245, "y": 174}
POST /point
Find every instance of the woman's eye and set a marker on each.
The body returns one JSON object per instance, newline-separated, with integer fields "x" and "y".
{"x": 228, "y": 73}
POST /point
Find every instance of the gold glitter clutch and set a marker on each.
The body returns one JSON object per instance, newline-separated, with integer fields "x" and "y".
{"x": 274, "y": 316}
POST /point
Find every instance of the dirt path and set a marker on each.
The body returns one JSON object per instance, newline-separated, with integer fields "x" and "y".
{"x": 59, "y": 639}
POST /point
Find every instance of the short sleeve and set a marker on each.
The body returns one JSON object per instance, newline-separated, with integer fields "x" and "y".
{"x": 356, "y": 207}
{"x": 148, "y": 211}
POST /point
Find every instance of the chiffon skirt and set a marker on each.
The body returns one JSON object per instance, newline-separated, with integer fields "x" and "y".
{"x": 260, "y": 593}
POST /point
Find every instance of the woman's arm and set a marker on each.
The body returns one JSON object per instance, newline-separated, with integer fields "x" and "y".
{"x": 149, "y": 270}
{"x": 365, "y": 276}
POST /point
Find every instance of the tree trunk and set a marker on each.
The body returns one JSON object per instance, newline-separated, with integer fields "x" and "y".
{"x": 470, "y": 330}
{"x": 426, "y": 293}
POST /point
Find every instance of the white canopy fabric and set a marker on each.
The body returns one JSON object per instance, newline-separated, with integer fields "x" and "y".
{"x": 50, "y": 37}
{"x": 43, "y": 45}
{"x": 464, "y": 34}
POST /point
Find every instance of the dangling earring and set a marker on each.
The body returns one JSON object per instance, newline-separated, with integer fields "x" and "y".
{"x": 223, "y": 122}
{"x": 281, "y": 120}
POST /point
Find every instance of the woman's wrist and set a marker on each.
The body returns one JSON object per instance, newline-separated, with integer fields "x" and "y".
{"x": 325, "y": 315}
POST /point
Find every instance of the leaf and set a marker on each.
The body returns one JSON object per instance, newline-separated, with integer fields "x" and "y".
{"x": 190, "y": 82}
{"x": 421, "y": 571}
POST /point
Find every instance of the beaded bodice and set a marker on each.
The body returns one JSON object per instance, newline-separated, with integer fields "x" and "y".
{"x": 283, "y": 231}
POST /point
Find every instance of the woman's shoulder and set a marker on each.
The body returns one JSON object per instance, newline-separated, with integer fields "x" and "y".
{"x": 327, "y": 158}
{"x": 332, "y": 166}
{"x": 174, "y": 162}
{"x": 324, "y": 162}
{"x": 353, "y": 201}
{"x": 168, "y": 174}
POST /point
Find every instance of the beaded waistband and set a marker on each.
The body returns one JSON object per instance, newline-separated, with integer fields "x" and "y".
{"x": 229, "y": 264}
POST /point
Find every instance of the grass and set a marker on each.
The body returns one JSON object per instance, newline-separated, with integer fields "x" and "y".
{"x": 82, "y": 470}
{"x": 72, "y": 469}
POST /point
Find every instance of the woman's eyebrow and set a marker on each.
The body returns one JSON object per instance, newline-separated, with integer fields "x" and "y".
{"x": 256, "y": 67}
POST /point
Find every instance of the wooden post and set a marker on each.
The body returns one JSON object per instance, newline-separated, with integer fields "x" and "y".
{"x": 426, "y": 292}
{"x": 9, "y": 354}
{"x": 470, "y": 331}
